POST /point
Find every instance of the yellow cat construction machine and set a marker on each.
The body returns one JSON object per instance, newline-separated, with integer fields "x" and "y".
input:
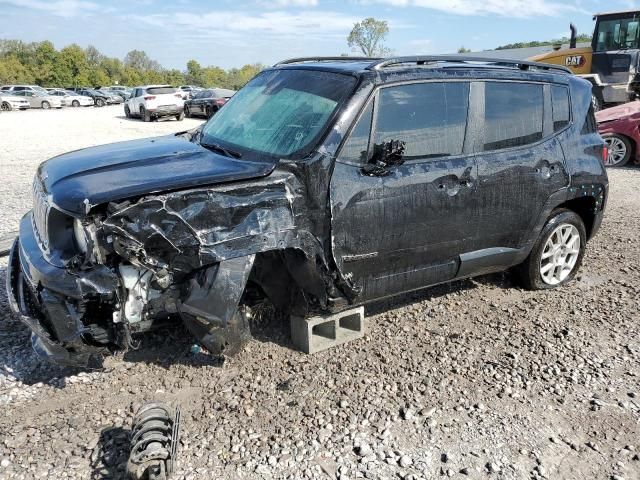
{"x": 611, "y": 62}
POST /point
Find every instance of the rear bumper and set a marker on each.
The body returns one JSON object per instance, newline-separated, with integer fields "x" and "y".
{"x": 47, "y": 299}
{"x": 166, "y": 112}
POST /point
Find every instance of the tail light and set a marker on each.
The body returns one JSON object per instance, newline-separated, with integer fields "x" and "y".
{"x": 605, "y": 155}
{"x": 150, "y": 97}
{"x": 220, "y": 101}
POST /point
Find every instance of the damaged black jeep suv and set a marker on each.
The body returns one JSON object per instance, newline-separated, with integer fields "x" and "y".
{"x": 323, "y": 184}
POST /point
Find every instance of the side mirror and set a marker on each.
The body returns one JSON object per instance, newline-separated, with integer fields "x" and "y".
{"x": 385, "y": 155}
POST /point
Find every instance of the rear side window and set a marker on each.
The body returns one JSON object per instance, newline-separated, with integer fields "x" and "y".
{"x": 431, "y": 118}
{"x": 512, "y": 114}
{"x": 160, "y": 90}
{"x": 590, "y": 125}
{"x": 560, "y": 103}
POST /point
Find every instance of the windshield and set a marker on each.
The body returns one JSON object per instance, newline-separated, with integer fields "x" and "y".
{"x": 280, "y": 113}
{"x": 617, "y": 34}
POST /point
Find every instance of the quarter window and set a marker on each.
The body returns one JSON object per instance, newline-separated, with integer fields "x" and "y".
{"x": 431, "y": 118}
{"x": 512, "y": 114}
{"x": 357, "y": 145}
{"x": 560, "y": 103}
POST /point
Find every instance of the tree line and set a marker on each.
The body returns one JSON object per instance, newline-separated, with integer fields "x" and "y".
{"x": 42, "y": 64}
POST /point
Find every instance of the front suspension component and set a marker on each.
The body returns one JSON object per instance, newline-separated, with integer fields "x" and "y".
{"x": 154, "y": 443}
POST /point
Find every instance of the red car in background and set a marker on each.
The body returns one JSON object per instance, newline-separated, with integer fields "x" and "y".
{"x": 620, "y": 129}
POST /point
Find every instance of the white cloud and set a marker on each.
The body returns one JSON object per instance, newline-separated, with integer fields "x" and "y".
{"x": 288, "y": 3}
{"x": 507, "y": 8}
{"x": 61, "y": 8}
{"x": 226, "y": 24}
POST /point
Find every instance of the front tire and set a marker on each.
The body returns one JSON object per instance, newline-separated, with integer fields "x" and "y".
{"x": 75, "y": 103}
{"x": 619, "y": 149}
{"x": 45, "y": 105}
{"x": 180, "y": 116}
{"x": 127, "y": 112}
{"x": 187, "y": 112}
{"x": 557, "y": 254}
{"x": 6, "y": 107}
{"x": 100, "y": 102}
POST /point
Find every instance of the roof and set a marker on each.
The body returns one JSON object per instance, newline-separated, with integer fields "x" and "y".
{"x": 619, "y": 12}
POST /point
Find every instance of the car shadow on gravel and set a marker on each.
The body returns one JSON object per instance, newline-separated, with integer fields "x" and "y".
{"x": 138, "y": 119}
{"x": 500, "y": 280}
{"x": 109, "y": 457}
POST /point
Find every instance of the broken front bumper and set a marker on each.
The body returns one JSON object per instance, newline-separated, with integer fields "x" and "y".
{"x": 46, "y": 299}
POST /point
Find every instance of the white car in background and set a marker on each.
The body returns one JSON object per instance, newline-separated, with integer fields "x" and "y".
{"x": 71, "y": 99}
{"x": 37, "y": 96}
{"x": 9, "y": 101}
{"x": 151, "y": 102}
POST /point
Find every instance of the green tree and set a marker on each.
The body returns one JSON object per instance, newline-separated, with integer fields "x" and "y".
{"x": 464, "y": 50}
{"x": 139, "y": 60}
{"x": 74, "y": 65}
{"x": 45, "y": 65}
{"x": 368, "y": 36}
{"x": 195, "y": 74}
{"x": 173, "y": 77}
{"x": 13, "y": 71}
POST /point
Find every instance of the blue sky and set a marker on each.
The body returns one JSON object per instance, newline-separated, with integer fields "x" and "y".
{"x": 230, "y": 33}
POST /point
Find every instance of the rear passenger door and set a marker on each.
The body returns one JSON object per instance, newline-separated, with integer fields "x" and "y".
{"x": 405, "y": 228}
{"x": 520, "y": 160}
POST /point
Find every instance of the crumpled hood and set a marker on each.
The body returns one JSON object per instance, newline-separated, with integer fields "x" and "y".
{"x": 79, "y": 180}
{"x": 619, "y": 111}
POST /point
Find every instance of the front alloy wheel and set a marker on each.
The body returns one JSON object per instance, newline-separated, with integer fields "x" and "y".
{"x": 6, "y": 107}
{"x": 560, "y": 254}
{"x": 619, "y": 150}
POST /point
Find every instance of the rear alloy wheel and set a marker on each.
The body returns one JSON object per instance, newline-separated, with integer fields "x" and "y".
{"x": 557, "y": 254}
{"x": 75, "y": 103}
{"x": 45, "y": 105}
{"x": 5, "y": 107}
{"x": 100, "y": 102}
{"x": 619, "y": 150}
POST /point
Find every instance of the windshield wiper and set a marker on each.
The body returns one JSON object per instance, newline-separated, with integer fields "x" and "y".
{"x": 220, "y": 149}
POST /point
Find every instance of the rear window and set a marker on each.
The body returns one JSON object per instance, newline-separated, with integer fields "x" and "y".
{"x": 560, "y": 102}
{"x": 513, "y": 114}
{"x": 161, "y": 90}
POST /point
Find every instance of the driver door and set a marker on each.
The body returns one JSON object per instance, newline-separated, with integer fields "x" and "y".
{"x": 404, "y": 228}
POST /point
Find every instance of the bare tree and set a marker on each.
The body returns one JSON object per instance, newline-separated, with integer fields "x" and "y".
{"x": 368, "y": 35}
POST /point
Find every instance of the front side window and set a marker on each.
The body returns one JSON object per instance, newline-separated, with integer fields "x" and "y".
{"x": 560, "y": 103}
{"x": 431, "y": 118}
{"x": 617, "y": 34}
{"x": 280, "y": 113}
{"x": 513, "y": 114}
{"x": 356, "y": 147}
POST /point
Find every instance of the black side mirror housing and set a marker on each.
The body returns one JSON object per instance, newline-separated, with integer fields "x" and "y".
{"x": 385, "y": 155}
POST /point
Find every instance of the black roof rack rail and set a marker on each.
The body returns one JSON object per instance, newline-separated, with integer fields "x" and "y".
{"x": 326, "y": 59}
{"x": 463, "y": 59}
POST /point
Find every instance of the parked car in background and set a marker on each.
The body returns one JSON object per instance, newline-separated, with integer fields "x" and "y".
{"x": 40, "y": 99}
{"x": 121, "y": 91}
{"x": 113, "y": 97}
{"x": 207, "y": 102}
{"x": 71, "y": 99}
{"x": 9, "y": 101}
{"x": 99, "y": 99}
{"x": 620, "y": 129}
{"x": 187, "y": 91}
{"x": 323, "y": 185}
{"x": 154, "y": 101}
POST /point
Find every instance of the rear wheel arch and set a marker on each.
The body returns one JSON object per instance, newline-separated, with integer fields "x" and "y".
{"x": 586, "y": 208}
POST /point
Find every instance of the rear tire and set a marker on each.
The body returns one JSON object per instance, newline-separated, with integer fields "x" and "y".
{"x": 127, "y": 112}
{"x": 45, "y": 105}
{"x": 619, "y": 148}
{"x": 100, "y": 102}
{"x": 557, "y": 254}
{"x": 187, "y": 112}
{"x": 146, "y": 116}
{"x": 596, "y": 99}
{"x": 180, "y": 116}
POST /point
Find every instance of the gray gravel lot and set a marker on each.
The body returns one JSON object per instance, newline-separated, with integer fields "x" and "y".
{"x": 476, "y": 379}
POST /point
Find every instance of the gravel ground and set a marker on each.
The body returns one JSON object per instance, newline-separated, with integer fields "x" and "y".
{"x": 476, "y": 379}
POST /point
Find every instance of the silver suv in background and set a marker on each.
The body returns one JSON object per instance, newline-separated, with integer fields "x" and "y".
{"x": 154, "y": 101}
